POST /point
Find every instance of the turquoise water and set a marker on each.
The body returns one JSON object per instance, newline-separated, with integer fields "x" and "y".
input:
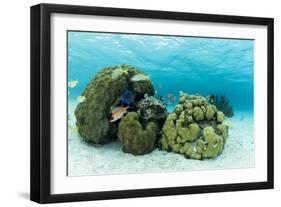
{"x": 173, "y": 63}
{"x": 190, "y": 64}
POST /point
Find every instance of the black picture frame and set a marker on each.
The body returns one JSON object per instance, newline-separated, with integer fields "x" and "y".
{"x": 41, "y": 98}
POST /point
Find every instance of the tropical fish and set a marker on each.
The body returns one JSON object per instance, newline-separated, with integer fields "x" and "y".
{"x": 171, "y": 98}
{"x": 139, "y": 77}
{"x": 72, "y": 83}
{"x": 81, "y": 99}
{"x": 117, "y": 73}
{"x": 127, "y": 97}
{"x": 118, "y": 113}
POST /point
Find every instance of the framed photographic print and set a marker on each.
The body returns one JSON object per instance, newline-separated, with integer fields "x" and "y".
{"x": 132, "y": 103}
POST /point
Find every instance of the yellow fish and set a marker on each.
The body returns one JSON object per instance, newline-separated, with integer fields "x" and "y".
{"x": 117, "y": 73}
{"x": 139, "y": 77}
{"x": 72, "y": 83}
{"x": 118, "y": 113}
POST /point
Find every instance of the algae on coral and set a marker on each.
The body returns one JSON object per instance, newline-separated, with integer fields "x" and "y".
{"x": 136, "y": 138}
{"x": 214, "y": 142}
{"x": 195, "y": 129}
{"x": 101, "y": 94}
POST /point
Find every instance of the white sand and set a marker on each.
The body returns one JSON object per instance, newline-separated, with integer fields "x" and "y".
{"x": 90, "y": 159}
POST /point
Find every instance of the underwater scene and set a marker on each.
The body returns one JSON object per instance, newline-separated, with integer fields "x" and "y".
{"x": 141, "y": 103}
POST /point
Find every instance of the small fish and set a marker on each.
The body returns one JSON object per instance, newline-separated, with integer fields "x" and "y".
{"x": 81, "y": 99}
{"x": 72, "y": 83}
{"x": 139, "y": 77}
{"x": 117, "y": 73}
{"x": 171, "y": 98}
{"x": 118, "y": 113}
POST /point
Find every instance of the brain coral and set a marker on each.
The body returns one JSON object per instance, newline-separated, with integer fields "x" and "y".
{"x": 195, "y": 129}
{"x": 101, "y": 94}
{"x": 136, "y": 138}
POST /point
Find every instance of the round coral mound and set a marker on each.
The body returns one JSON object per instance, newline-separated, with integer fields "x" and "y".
{"x": 136, "y": 138}
{"x": 195, "y": 129}
{"x": 101, "y": 94}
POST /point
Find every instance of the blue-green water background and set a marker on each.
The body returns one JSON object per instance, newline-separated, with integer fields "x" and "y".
{"x": 190, "y": 64}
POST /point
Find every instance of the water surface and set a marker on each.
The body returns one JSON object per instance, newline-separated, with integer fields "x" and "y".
{"x": 191, "y": 64}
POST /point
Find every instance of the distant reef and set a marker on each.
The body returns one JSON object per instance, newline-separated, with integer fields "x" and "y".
{"x": 119, "y": 102}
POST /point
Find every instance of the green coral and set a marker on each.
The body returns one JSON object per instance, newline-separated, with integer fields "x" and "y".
{"x": 179, "y": 108}
{"x": 136, "y": 138}
{"x": 220, "y": 117}
{"x": 198, "y": 114}
{"x": 195, "y": 129}
{"x": 101, "y": 94}
{"x": 214, "y": 142}
{"x": 210, "y": 112}
{"x": 222, "y": 130}
{"x": 186, "y": 133}
{"x": 169, "y": 129}
{"x": 187, "y": 105}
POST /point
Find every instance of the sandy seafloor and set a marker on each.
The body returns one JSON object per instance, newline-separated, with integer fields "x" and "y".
{"x": 86, "y": 159}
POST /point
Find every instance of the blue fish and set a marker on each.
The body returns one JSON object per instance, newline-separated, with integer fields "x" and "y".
{"x": 127, "y": 97}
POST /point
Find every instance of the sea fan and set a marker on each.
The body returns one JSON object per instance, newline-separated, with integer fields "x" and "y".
{"x": 222, "y": 103}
